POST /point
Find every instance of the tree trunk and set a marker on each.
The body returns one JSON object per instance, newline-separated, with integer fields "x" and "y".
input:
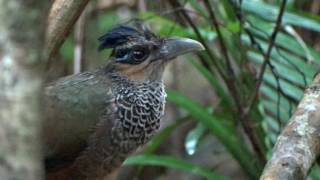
{"x": 298, "y": 146}
{"x": 21, "y": 72}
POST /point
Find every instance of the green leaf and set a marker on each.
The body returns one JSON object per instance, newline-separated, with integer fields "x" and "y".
{"x": 269, "y": 12}
{"x": 272, "y": 108}
{"x": 193, "y": 138}
{"x": 272, "y": 95}
{"x": 172, "y": 162}
{"x": 287, "y": 42}
{"x": 158, "y": 139}
{"x": 234, "y": 27}
{"x": 289, "y": 89}
{"x": 283, "y": 71}
{"x": 223, "y": 131}
{"x": 315, "y": 172}
{"x": 164, "y": 134}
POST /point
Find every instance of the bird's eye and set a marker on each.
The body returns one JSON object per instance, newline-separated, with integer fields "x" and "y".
{"x": 140, "y": 54}
{"x": 134, "y": 55}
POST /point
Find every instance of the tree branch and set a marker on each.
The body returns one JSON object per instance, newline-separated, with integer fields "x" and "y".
{"x": 298, "y": 146}
{"x": 62, "y": 17}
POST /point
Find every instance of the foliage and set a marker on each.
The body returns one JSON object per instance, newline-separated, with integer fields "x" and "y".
{"x": 237, "y": 35}
{"x": 172, "y": 163}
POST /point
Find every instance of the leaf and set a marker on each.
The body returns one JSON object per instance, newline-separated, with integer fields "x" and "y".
{"x": 288, "y": 88}
{"x": 158, "y": 139}
{"x": 272, "y": 108}
{"x": 315, "y": 172}
{"x": 234, "y": 27}
{"x": 172, "y": 162}
{"x": 269, "y": 12}
{"x": 287, "y": 42}
{"x": 163, "y": 134}
{"x": 223, "y": 131}
{"x": 193, "y": 138}
{"x": 272, "y": 95}
{"x": 286, "y": 72}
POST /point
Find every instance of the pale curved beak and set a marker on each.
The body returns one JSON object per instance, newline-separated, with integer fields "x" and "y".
{"x": 173, "y": 47}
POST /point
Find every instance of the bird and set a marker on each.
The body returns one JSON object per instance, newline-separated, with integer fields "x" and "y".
{"x": 94, "y": 120}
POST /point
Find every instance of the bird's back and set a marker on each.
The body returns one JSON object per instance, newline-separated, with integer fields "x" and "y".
{"x": 72, "y": 108}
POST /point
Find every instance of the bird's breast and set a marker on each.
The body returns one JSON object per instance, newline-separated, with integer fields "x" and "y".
{"x": 139, "y": 111}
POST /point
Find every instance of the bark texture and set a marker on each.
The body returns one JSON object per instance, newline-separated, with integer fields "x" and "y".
{"x": 21, "y": 42}
{"x": 298, "y": 146}
{"x": 63, "y": 15}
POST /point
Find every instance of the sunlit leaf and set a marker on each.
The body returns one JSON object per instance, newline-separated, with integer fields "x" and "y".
{"x": 172, "y": 162}
{"x": 269, "y": 12}
{"x": 225, "y": 132}
{"x": 193, "y": 138}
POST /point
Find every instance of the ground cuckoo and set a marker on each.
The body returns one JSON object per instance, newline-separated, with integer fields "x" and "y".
{"x": 95, "y": 119}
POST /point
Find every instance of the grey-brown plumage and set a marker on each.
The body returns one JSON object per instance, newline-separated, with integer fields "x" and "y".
{"x": 94, "y": 120}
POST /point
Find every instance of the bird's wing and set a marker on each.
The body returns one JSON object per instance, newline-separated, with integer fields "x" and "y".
{"x": 72, "y": 108}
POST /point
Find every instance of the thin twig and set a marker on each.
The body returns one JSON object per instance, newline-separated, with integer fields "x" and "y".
{"x": 255, "y": 44}
{"x": 214, "y": 59}
{"x": 294, "y": 66}
{"x": 232, "y": 86}
{"x": 280, "y": 90}
{"x": 239, "y": 15}
{"x": 220, "y": 38}
{"x": 277, "y": 47}
{"x": 231, "y": 82}
{"x": 180, "y": 19}
{"x": 266, "y": 57}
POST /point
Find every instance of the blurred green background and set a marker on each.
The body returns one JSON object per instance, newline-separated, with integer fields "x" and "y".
{"x": 213, "y": 128}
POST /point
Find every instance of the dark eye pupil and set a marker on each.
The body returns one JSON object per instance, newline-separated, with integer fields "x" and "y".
{"x": 138, "y": 54}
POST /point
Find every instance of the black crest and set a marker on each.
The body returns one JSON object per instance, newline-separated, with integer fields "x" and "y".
{"x": 124, "y": 33}
{"x": 117, "y": 36}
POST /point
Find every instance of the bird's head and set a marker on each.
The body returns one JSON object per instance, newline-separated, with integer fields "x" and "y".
{"x": 139, "y": 54}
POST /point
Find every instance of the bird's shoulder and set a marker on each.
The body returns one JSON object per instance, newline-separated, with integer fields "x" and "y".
{"x": 73, "y": 106}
